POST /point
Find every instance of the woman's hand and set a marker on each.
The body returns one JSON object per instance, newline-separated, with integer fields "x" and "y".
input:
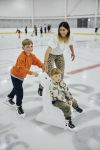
{"x": 44, "y": 68}
{"x": 72, "y": 52}
{"x": 72, "y": 56}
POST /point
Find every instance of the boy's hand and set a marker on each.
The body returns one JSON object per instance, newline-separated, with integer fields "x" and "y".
{"x": 43, "y": 68}
{"x": 35, "y": 74}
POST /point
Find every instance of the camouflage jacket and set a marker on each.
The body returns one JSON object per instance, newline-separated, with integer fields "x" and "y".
{"x": 59, "y": 91}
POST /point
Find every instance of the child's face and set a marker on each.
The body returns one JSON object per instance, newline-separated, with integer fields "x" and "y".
{"x": 28, "y": 49}
{"x": 56, "y": 78}
{"x": 63, "y": 32}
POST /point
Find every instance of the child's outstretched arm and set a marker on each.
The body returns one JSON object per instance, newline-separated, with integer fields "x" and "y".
{"x": 22, "y": 68}
{"x": 36, "y": 61}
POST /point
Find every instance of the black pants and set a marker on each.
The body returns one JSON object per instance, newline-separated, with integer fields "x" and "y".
{"x": 17, "y": 90}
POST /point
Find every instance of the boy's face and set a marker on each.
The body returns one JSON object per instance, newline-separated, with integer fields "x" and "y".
{"x": 56, "y": 78}
{"x": 28, "y": 49}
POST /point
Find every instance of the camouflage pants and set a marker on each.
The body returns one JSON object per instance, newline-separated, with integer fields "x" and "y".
{"x": 65, "y": 107}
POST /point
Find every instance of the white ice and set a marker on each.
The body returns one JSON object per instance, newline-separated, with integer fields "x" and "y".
{"x": 17, "y": 133}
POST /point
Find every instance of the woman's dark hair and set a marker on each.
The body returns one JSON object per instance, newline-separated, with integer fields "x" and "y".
{"x": 66, "y": 26}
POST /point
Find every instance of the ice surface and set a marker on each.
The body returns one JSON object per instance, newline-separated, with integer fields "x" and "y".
{"x": 17, "y": 133}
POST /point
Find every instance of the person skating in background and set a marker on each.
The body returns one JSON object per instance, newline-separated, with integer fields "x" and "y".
{"x": 41, "y": 30}
{"x": 96, "y": 30}
{"x": 26, "y": 30}
{"x": 45, "y": 28}
{"x": 49, "y": 28}
{"x": 35, "y": 30}
{"x": 18, "y": 31}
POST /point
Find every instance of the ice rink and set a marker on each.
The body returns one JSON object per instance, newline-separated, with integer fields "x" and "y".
{"x": 83, "y": 78}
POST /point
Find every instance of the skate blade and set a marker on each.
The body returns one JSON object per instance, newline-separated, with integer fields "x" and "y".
{"x": 21, "y": 115}
{"x": 10, "y": 105}
{"x": 71, "y": 129}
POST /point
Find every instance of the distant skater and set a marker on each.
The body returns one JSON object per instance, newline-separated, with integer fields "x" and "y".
{"x": 18, "y": 32}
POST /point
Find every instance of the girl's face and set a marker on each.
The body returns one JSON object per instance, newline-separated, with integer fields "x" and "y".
{"x": 63, "y": 32}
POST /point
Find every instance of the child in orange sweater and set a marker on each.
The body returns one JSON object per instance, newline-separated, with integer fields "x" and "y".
{"x": 20, "y": 70}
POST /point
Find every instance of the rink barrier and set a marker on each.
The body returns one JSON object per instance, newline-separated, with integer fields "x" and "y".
{"x": 10, "y": 33}
{"x": 76, "y": 33}
{"x": 98, "y": 34}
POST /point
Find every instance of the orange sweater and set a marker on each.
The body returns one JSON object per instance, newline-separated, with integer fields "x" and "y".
{"x": 23, "y": 64}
